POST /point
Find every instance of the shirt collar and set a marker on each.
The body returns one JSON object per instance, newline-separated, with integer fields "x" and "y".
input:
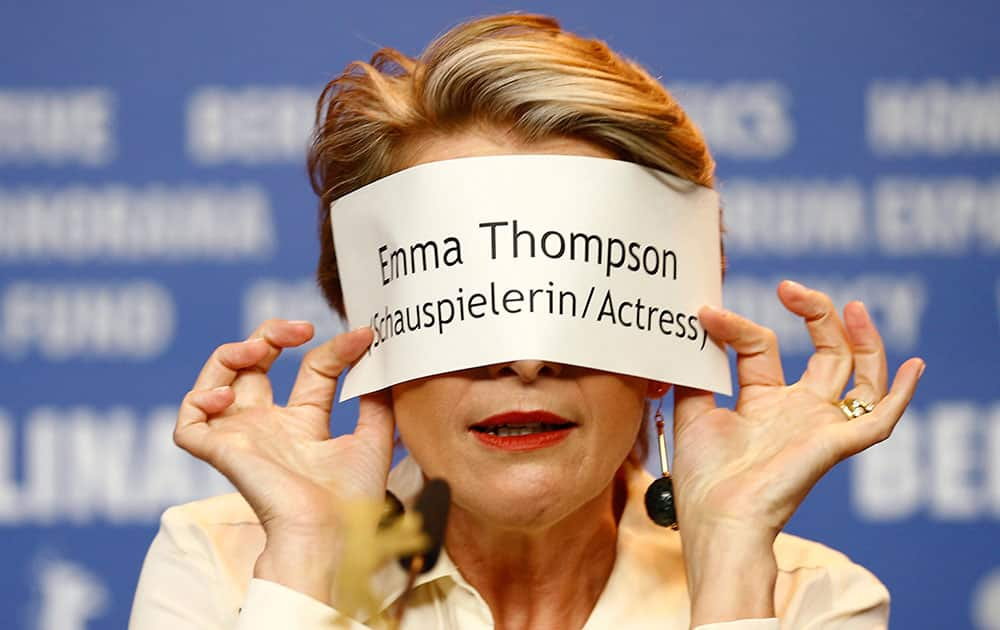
{"x": 642, "y": 548}
{"x": 405, "y": 481}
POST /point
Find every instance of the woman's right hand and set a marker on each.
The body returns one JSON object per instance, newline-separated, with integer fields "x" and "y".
{"x": 282, "y": 459}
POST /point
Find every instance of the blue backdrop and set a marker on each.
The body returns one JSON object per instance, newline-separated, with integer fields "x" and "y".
{"x": 153, "y": 204}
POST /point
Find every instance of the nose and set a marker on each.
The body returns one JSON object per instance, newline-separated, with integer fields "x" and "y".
{"x": 527, "y": 370}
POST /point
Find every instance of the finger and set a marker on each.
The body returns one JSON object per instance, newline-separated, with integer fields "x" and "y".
{"x": 227, "y": 360}
{"x": 316, "y": 382}
{"x": 252, "y": 385}
{"x": 871, "y": 428}
{"x": 830, "y": 366}
{"x": 870, "y": 368}
{"x": 689, "y": 403}
{"x": 281, "y": 334}
{"x": 376, "y": 424}
{"x": 758, "y": 361}
{"x": 198, "y": 406}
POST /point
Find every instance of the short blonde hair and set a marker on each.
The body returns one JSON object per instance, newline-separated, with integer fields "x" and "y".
{"x": 518, "y": 72}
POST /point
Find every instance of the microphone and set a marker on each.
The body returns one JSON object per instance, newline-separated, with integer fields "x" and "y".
{"x": 432, "y": 505}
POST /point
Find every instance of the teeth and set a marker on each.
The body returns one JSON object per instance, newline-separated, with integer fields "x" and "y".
{"x": 520, "y": 429}
{"x": 525, "y": 430}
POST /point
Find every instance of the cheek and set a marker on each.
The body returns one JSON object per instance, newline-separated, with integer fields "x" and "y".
{"x": 615, "y": 399}
{"x": 424, "y": 410}
{"x": 413, "y": 400}
{"x": 617, "y": 405}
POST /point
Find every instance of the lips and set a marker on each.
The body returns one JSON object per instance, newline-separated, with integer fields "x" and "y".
{"x": 522, "y": 430}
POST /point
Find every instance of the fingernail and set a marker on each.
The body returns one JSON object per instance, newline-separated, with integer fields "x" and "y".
{"x": 864, "y": 312}
{"x": 793, "y": 284}
{"x": 220, "y": 388}
{"x": 298, "y": 322}
{"x": 923, "y": 366}
{"x": 257, "y": 340}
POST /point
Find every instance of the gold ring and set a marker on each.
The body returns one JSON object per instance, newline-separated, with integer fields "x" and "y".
{"x": 855, "y": 407}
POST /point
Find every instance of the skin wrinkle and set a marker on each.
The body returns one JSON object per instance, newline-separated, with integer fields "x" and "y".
{"x": 537, "y": 91}
{"x": 550, "y": 515}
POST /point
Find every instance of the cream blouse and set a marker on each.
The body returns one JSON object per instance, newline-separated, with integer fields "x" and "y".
{"x": 198, "y": 575}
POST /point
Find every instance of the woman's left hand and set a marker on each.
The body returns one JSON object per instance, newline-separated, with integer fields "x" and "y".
{"x": 739, "y": 475}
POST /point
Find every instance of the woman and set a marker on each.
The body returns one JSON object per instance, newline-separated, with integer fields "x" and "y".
{"x": 553, "y": 537}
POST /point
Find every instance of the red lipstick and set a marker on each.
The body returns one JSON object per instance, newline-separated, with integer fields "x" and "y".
{"x": 522, "y": 430}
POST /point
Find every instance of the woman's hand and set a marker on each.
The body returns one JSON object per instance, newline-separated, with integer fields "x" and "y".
{"x": 739, "y": 475}
{"x": 282, "y": 459}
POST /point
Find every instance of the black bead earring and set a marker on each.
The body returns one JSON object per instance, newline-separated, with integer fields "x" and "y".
{"x": 660, "y": 494}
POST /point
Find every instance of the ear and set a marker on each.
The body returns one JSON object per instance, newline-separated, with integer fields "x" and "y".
{"x": 657, "y": 389}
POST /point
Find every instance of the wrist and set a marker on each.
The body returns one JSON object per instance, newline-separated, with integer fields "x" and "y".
{"x": 730, "y": 574}
{"x": 304, "y": 564}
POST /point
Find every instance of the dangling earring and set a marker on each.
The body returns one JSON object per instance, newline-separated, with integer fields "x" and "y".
{"x": 660, "y": 494}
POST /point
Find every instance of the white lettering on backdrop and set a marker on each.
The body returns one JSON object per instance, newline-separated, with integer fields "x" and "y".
{"x": 55, "y": 127}
{"x": 250, "y": 124}
{"x": 897, "y": 304}
{"x": 127, "y": 224}
{"x": 70, "y": 320}
{"x": 934, "y": 117}
{"x": 943, "y": 462}
{"x": 82, "y": 464}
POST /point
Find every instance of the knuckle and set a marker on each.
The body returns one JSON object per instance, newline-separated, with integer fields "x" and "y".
{"x": 180, "y": 438}
{"x": 223, "y": 351}
{"x": 311, "y": 358}
{"x": 188, "y": 400}
{"x": 822, "y": 308}
{"x": 866, "y": 349}
{"x": 833, "y": 347}
{"x": 312, "y": 355}
{"x": 267, "y": 326}
{"x": 324, "y": 363}
{"x": 230, "y": 345}
{"x": 761, "y": 340}
{"x": 216, "y": 354}
{"x": 755, "y": 347}
{"x": 822, "y": 315}
{"x": 769, "y": 337}
{"x": 883, "y": 432}
{"x": 824, "y": 300}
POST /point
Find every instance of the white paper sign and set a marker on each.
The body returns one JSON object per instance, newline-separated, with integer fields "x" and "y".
{"x": 578, "y": 260}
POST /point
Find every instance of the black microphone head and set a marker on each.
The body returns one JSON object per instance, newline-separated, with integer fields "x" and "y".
{"x": 433, "y": 505}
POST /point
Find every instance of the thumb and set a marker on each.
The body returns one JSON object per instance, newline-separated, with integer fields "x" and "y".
{"x": 376, "y": 424}
{"x": 689, "y": 403}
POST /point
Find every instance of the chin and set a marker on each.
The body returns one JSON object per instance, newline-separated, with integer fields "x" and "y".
{"x": 525, "y": 496}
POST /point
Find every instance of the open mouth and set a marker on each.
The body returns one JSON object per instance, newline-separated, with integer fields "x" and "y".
{"x": 522, "y": 431}
{"x": 511, "y": 430}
